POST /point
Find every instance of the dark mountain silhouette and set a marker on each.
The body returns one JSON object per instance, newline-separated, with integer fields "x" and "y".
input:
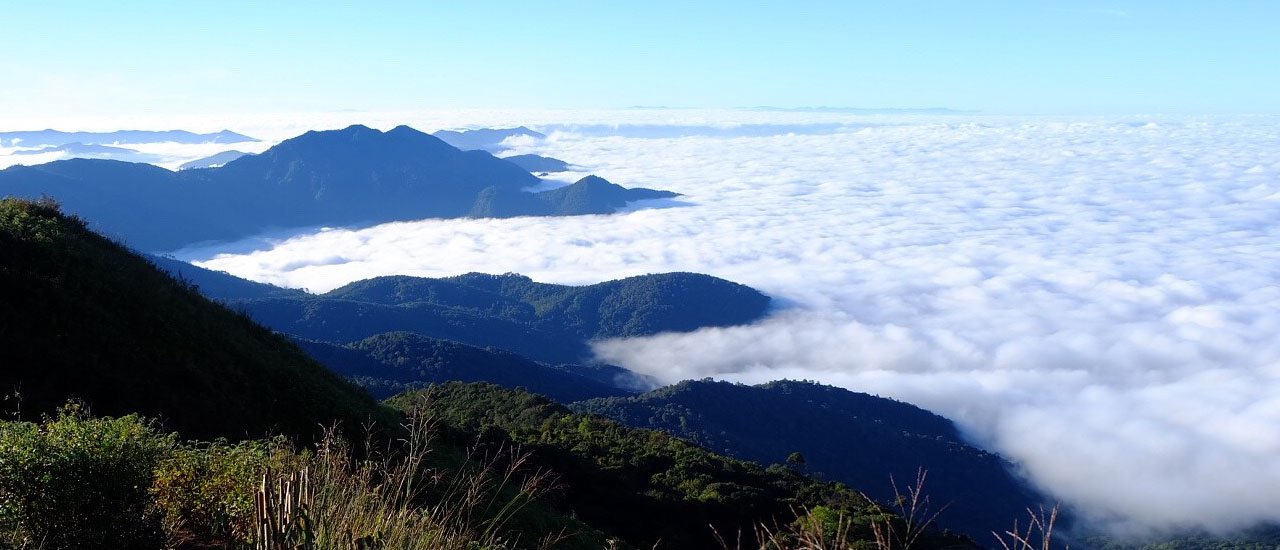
{"x": 852, "y": 437}
{"x": 213, "y": 161}
{"x": 487, "y": 139}
{"x": 538, "y": 163}
{"x": 360, "y": 175}
{"x": 589, "y": 195}
{"x": 596, "y": 195}
{"x": 395, "y": 362}
{"x": 353, "y": 176}
{"x": 54, "y": 137}
{"x": 85, "y": 318}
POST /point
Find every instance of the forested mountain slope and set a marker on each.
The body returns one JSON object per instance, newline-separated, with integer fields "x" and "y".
{"x": 86, "y": 318}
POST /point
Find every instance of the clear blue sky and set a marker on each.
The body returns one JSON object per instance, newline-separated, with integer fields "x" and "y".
{"x": 998, "y": 56}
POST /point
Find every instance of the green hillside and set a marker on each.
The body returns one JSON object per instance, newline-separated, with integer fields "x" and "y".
{"x": 395, "y": 362}
{"x": 543, "y": 322}
{"x": 86, "y": 318}
{"x": 645, "y": 486}
{"x": 635, "y": 306}
{"x": 851, "y": 437}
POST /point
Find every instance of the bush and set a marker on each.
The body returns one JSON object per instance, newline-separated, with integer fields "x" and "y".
{"x": 206, "y": 490}
{"x": 80, "y": 482}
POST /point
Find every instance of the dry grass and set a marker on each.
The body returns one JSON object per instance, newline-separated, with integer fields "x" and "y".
{"x": 396, "y": 500}
{"x": 913, "y": 508}
{"x": 900, "y": 527}
{"x": 809, "y": 532}
{"x": 1037, "y": 534}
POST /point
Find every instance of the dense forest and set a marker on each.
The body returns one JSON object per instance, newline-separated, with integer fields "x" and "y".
{"x": 862, "y": 440}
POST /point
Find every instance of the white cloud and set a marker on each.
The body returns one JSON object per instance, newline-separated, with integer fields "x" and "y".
{"x": 1095, "y": 298}
{"x": 30, "y": 159}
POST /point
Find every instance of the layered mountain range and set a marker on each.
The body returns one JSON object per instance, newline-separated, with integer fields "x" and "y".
{"x": 393, "y": 334}
{"x": 509, "y": 323}
{"x": 48, "y": 138}
{"x": 88, "y": 319}
{"x": 90, "y": 322}
{"x": 352, "y": 176}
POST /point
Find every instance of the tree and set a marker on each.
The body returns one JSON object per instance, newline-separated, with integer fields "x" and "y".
{"x": 796, "y": 461}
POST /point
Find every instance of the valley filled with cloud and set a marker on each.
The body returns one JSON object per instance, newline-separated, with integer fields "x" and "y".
{"x": 1095, "y": 298}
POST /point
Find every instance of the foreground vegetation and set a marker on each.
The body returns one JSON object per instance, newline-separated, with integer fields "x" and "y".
{"x": 659, "y": 490}
{"x": 859, "y": 439}
{"x": 76, "y": 481}
{"x": 79, "y": 481}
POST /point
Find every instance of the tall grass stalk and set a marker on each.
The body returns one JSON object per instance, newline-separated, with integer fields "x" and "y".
{"x": 1037, "y": 534}
{"x": 394, "y": 499}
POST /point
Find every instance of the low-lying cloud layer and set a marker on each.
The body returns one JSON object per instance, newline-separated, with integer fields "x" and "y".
{"x": 1097, "y": 299}
{"x": 164, "y": 154}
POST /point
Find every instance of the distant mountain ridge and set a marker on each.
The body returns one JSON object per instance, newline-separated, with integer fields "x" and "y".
{"x": 79, "y": 150}
{"x": 545, "y": 322}
{"x": 38, "y": 138}
{"x": 104, "y": 151}
{"x": 485, "y": 139}
{"x": 634, "y": 306}
{"x": 352, "y": 176}
{"x": 538, "y": 163}
{"x": 212, "y": 161}
{"x": 517, "y": 332}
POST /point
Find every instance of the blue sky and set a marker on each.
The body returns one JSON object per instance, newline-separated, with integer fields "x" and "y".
{"x": 994, "y": 56}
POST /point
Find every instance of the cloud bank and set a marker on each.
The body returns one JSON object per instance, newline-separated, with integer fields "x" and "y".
{"x": 1097, "y": 299}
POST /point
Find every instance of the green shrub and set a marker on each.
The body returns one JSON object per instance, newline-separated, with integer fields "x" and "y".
{"x": 80, "y": 482}
{"x": 206, "y": 490}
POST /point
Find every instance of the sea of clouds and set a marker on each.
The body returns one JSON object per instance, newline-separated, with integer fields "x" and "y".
{"x": 1098, "y": 299}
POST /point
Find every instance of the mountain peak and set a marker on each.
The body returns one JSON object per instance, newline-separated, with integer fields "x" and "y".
{"x": 595, "y": 181}
{"x": 355, "y": 130}
{"x": 596, "y": 195}
{"x": 405, "y": 129}
{"x": 366, "y": 137}
{"x": 488, "y": 139}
